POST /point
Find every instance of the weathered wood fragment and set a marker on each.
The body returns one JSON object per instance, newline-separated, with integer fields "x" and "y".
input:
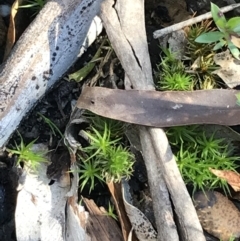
{"x": 46, "y": 50}
{"x": 125, "y": 26}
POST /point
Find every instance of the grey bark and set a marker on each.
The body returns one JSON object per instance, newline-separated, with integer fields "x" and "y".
{"x": 46, "y": 50}
{"x": 125, "y": 26}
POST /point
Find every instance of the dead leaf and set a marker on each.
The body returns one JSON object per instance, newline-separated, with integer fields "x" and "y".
{"x": 196, "y": 64}
{"x": 216, "y": 214}
{"x": 115, "y": 190}
{"x": 11, "y": 35}
{"x": 163, "y": 109}
{"x": 235, "y": 40}
{"x": 101, "y": 226}
{"x": 231, "y": 177}
{"x": 230, "y": 68}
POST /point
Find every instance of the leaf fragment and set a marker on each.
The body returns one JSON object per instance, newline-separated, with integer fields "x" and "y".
{"x": 233, "y": 178}
{"x": 209, "y": 37}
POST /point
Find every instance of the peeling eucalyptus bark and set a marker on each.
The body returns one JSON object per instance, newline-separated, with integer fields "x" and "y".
{"x": 42, "y": 55}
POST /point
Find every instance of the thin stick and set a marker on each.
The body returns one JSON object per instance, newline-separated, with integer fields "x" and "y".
{"x": 178, "y": 26}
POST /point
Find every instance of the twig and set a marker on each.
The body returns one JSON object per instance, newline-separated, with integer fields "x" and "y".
{"x": 178, "y": 26}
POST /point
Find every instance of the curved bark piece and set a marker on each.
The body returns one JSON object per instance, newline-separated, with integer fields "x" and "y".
{"x": 163, "y": 109}
{"x": 125, "y": 26}
{"x": 45, "y": 211}
{"x": 140, "y": 223}
{"x": 42, "y": 55}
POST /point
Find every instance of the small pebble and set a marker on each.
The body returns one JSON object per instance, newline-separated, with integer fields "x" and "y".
{"x": 217, "y": 215}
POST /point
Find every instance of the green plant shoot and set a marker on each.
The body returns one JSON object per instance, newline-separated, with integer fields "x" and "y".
{"x": 86, "y": 70}
{"x": 227, "y": 34}
{"x": 104, "y": 159}
{"x": 34, "y": 5}
{"x": 27, "y": 155}
{"x": 196, "y": 152}
{"x": 89, "y": 171}
{"x": 110, "y": 212}
{"x": 51, "y": 125}
{"x": 172, "y": 74}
